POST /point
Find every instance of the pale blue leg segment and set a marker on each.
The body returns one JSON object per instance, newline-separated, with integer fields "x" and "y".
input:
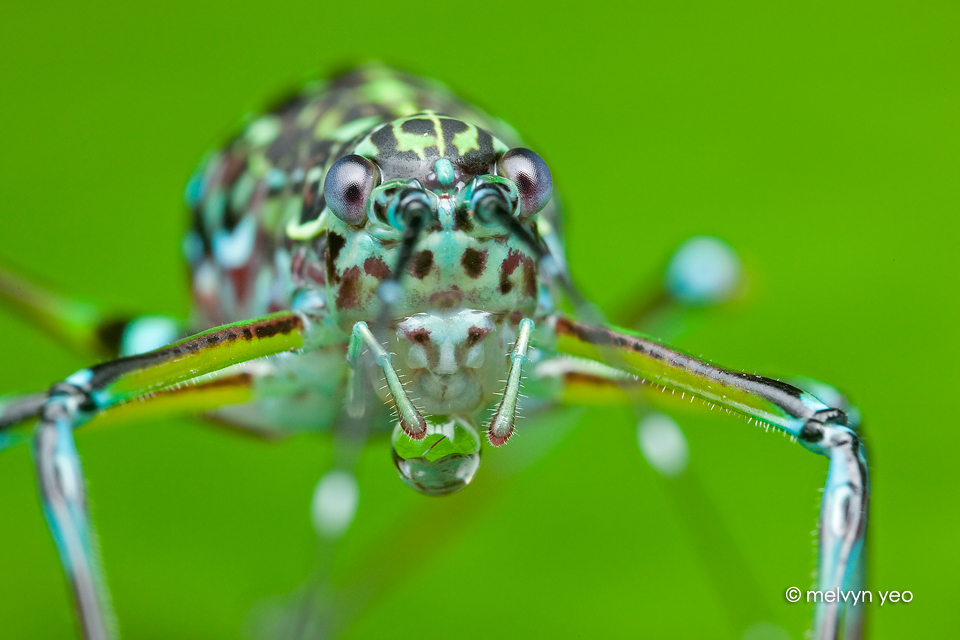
{"x": 62, "y": 493}
{"x": 410, "y": 417}
{"x": 501, "y": 426}
{"x": 843, "y": 517}
{"x": 843, "y": 524}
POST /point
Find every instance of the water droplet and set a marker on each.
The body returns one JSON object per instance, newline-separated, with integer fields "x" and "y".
{"x": 443, "y": 462}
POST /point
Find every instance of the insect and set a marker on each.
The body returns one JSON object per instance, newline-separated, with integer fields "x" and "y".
{"x": 374, "y": 244}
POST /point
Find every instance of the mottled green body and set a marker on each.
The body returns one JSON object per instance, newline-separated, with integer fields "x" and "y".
{"x": 263, "y": 235}
{"x": 259, "y": 233}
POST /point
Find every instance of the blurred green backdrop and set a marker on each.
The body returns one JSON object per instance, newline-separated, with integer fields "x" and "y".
{"x": 819, "y": 139}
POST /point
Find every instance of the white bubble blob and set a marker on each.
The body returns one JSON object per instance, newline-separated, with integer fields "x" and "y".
{"x": 147, "y": 333}
{"x": 389, "y": 291}
{"x": 704, "y": 270}
{"x": 334, "y": 503}
{"x": 663, "y": 444}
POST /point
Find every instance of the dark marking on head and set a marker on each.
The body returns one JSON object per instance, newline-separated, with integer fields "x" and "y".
{"x": 335, "y": 243}
{"x": 419, "y": 126}
{"x": 377, "y": 268}
{"x": 420, "y": 264}
{"x": 348, "y": 295}
{"x": 449, "y": 299}
{"x": 529, "y": 278}
{"x": 418, "y": 336}
{"x": 462, "y": 220}
{"x": 395, "y": 163}
{"x": 479, "y": 161}
{"x": 450, "y": 128}
{"x": 386, "y": 144}
{"x": 507, "y": 267}
{"x": 473, "y": 262}
{"x": 475, "y": 335}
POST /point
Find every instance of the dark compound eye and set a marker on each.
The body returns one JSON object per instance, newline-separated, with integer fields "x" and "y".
{"x": 530, "y": 174}
{"x": 347, "y": 187}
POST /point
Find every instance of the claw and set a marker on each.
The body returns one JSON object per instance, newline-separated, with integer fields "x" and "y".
{"x": 416, "y": 429}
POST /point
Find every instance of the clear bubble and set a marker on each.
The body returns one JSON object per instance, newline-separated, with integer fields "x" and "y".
{"x": 443, "y": 462}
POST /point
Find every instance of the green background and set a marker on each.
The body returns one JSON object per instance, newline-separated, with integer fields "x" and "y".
{"x": 821, "y": 140}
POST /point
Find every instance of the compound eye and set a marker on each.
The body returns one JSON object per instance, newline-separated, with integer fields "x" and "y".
{"x": 530, "y": 174}
{"x": 347, "y": 187}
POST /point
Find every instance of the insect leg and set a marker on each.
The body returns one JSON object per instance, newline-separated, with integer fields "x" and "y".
{"x": 819, "y": 428}
{"x": 62, "y": 491}
{"x": 16, "y": 408}
{"x": 410, "y": 417}
{"x": 90, "y": 391}
{"x": 82, "y": 327}
{"x": 501, "y": 426}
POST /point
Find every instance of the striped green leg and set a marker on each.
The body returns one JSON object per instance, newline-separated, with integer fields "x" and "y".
{"x": 84, "y": 394}
{"x": 819, "y": 428}
{"x": 81, "y": 327}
